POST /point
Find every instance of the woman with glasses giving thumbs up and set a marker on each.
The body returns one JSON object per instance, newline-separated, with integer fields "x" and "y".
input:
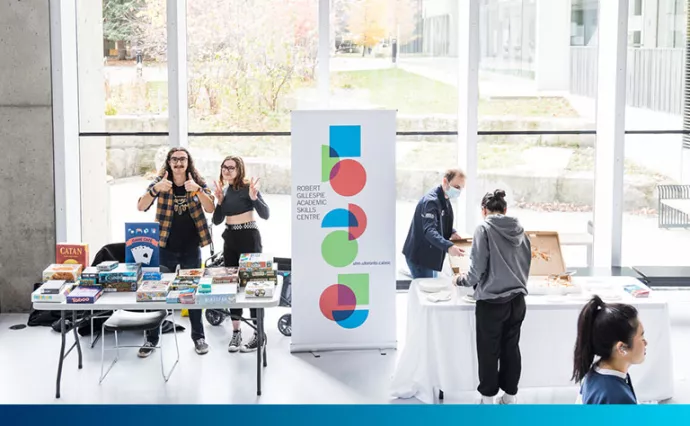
{"x": 236, "y": 205}
{"x": 182, "y": 197}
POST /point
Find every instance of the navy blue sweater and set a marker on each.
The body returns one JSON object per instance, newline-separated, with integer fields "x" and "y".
{"x": 607, "y": 388}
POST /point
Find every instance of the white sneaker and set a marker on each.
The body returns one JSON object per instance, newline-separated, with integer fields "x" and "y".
{"x": 507, "y": 399}
{"x": 486, "y": 400}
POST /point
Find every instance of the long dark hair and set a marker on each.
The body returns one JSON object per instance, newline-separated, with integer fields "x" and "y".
{"x": 495, "y": 202}
{"x": 190, "y": 166}
{"x": 599, "y": 327}
{"x": 240, "y": 179}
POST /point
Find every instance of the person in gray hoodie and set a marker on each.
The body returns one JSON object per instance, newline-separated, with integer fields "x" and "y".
{"x": 500, "y": 260}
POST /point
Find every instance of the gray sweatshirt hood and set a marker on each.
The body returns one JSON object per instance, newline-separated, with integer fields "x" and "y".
{"x": 506, "y": 227}
{"x": 500, "y": 259}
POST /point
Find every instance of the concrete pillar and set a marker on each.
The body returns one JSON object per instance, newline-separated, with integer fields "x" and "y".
{"x": 95, "y": 197}
{"x": 552, "y": 50}
{"x": 27, "y": 222}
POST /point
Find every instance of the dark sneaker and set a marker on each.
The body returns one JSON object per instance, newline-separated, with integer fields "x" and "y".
{"x": 252, "y": 345}
{"x": 235, "y": 342}
{"x": 146, "y": 350}
{"x": 200, "y": 346}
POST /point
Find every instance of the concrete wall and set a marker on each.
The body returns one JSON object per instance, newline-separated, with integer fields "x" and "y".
{"x": 27, "y": 218}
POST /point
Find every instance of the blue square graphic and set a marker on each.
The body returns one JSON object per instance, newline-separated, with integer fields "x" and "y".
{"x": 345, "y": 141}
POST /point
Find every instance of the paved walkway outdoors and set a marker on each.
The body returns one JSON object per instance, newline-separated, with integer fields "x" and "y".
{"x": 643, "y": 242}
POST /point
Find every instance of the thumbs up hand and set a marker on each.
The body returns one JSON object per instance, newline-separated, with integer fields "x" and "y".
{"x": 164, "y": 185}
{"x": 190, "y": 185}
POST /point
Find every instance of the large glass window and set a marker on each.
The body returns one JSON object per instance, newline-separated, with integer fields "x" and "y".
{"x": 656, "y": 195}
{"x": 123, "y": 78}
{"x": 250, "y": 63}
{"x": 537, "y": 113}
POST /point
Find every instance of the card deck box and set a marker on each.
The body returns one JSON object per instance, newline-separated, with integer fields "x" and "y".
{"x": 108, "y": 265}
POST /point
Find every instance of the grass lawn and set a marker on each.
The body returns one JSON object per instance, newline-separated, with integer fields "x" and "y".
{"x": 411, "y": 93}
{"x": 583, "y": 160}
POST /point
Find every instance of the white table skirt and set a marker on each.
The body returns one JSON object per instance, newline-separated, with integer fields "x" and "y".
{"x": 440, "y": 351}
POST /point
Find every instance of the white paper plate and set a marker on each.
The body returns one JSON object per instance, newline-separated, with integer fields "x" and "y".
{"x": 433, "y": 286}
{"x": 468, "y": 299}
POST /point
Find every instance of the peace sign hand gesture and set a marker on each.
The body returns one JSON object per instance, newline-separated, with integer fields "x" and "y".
{"x": 219, "y": 192}
{"x": 254, "y": 189}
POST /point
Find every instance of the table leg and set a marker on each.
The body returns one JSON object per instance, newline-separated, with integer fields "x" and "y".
{"x": 76, "y": 336}
{"x": 260, "y": 336}
{"x": 440, "y": 395}
{"x": 62, "y": 354}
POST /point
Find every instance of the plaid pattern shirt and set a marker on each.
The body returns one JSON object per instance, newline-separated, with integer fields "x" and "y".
{"x": 164, "y": 214}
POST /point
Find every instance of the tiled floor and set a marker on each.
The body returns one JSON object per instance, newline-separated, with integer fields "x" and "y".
{"x": 28, "y": 360}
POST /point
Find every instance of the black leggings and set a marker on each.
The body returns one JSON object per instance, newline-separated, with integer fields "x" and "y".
{"x": 236, "y": 242}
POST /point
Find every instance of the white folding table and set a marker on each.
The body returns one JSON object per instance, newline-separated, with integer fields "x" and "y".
{"x": 127, "y": 301}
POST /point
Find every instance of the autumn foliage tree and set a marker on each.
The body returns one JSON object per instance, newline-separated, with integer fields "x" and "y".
{"x": 373, "y": 21}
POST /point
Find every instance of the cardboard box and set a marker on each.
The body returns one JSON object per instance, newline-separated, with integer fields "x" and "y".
{"x": 69, "y": 272}
{"x": 257, "y": 274}
{"x": 255, "y": 261}
{"x": 245, "y": 281}
{"x": 124, "y": 273}
{"x": 38, "y": 297}
{"x": 74, "y": 254}
{"x": 108, "y": 265}
{"x": 461, "y": 264}
{"x": 53, "y": 287}
{"x": 180, "y": 284}
{"x": 89, "y": 274}
{"x": 220, "y": 294}
{"x": 547, "y": 258}
{"x": 84, "y": 295}
{"x": 190, "y": 273}
{"x": 222, "y": 275}
{"x": 259, "y": 289}
{"x": 153, "y": 291}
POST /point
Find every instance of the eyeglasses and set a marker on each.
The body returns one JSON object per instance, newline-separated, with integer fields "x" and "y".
{"x": 228, "y": 168}
{"x": 178, "y": 159}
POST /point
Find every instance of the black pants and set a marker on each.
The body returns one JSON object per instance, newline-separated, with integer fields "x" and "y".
{"x": 498, "y": 341}
{"x": 187, "y": 260}
{"x": 236, "y": 242}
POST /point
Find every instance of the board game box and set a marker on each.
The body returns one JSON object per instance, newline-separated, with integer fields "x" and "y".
{"x": 75, "y": 254}
{"x": 141, "y": 245}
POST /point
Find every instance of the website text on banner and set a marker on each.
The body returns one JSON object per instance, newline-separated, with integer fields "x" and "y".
{"x": 343, "y": 230}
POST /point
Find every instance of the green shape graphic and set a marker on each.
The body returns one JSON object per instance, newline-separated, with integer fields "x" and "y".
{"x": 338, "y": 250}
{"x": 359, "y": 284}
{"x": 327, "y": 163}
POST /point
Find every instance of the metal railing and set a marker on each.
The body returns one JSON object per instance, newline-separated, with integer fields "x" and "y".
{"x": 655, "y": 78}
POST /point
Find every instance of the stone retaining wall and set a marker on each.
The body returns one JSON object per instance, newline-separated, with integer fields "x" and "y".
{"x": 135, "y": 156}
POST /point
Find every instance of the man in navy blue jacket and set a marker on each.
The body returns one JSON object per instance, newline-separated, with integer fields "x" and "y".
{"x": 431, "y": 231}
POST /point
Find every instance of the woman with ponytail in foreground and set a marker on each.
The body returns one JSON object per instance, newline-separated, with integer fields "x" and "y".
{"x": 614, "y": 334}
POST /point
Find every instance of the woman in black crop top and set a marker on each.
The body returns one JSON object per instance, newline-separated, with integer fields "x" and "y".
{"x": 237, "y": 198}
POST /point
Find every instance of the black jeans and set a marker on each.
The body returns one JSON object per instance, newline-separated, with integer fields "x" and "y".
{"x": 235, "y": 243}
{"x": 498, "y": 340}
{"x": 189, "y": 260}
